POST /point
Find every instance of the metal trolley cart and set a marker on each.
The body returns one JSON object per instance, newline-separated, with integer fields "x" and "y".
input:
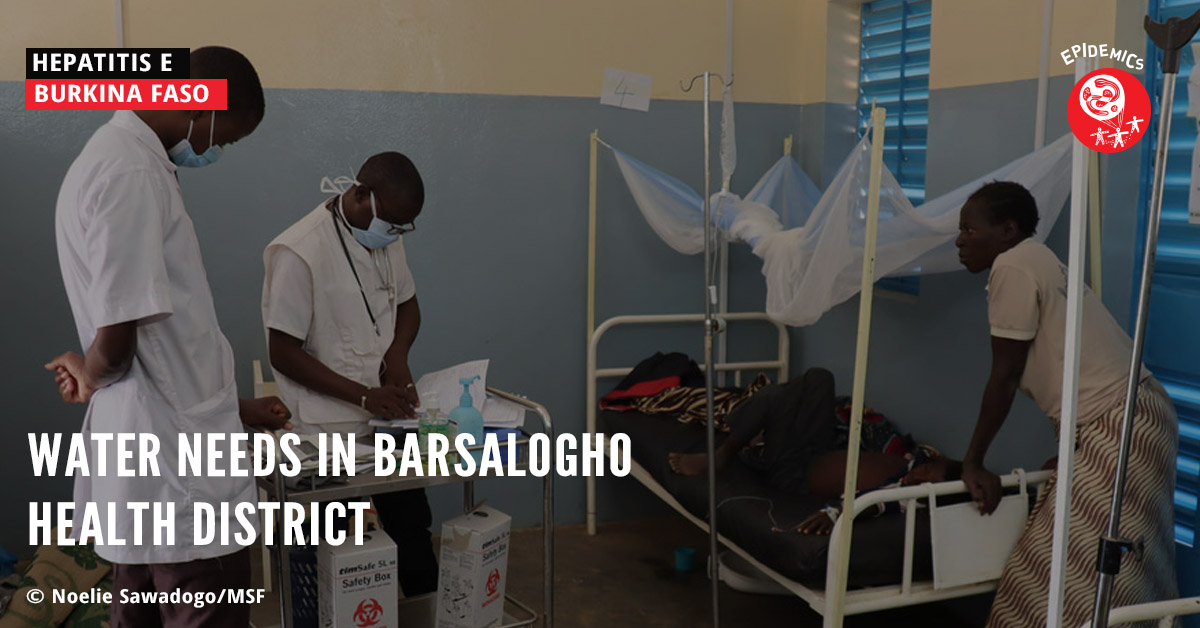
{"x": 420, "y": 610}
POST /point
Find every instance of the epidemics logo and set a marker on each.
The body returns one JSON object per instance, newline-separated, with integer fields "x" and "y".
{"x": 1108, "y": 110}
{"x": 368, "y": 613}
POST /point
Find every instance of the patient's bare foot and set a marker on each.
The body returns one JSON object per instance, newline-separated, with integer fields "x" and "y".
{"x": 688, "y": 464}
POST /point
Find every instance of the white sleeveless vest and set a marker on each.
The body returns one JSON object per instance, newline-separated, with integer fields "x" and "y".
{"x": 341, "y": 335}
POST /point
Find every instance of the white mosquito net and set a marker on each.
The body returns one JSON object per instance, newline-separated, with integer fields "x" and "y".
{"x": 812, "y": 258}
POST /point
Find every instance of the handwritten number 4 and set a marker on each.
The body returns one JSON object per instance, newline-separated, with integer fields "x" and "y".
{"x": 622, "y": 92}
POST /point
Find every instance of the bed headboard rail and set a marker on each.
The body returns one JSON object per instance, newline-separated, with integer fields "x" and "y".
{"x": 777, "y": 362}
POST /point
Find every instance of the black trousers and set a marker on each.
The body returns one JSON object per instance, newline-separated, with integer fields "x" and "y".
{"x": 797, "y": 422}
{"x": 406, "y": 518}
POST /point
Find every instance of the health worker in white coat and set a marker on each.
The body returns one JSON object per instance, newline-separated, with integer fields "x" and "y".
{"x": 156, "y": 360}
{"x": 340, "y": 311}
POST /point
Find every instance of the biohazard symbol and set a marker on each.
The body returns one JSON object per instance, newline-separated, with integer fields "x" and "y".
{"x": 368, "y": 613}
{"x": 493, "y": 582}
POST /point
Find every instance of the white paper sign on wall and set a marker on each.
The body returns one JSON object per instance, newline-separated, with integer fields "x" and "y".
{"x": 627, "y": 90}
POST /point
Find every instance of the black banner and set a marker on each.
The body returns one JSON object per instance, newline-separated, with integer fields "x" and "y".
{"x": 107, "y": 63}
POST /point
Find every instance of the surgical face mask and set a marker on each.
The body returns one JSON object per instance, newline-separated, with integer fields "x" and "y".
{"x": 377, "y": 234}
{"x": 182, "y": 154}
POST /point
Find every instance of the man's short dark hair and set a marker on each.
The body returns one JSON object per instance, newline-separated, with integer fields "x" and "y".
{"x": 244, "y": 92}
{"x": 1008, "y": 200}
{"x": 393, "y": 176}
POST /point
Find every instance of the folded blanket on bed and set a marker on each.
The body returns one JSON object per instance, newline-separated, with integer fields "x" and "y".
{"x": 690, "y": 403}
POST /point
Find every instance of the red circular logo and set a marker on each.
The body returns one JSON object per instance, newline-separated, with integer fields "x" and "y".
{"x": 1109, "y": 110}
{"x": 368, "y": 613}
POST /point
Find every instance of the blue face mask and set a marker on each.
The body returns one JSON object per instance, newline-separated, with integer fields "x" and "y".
{"x": 376, "y": 236}
{"x": 182, "y": 154}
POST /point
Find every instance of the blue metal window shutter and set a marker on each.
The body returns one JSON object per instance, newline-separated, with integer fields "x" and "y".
{"x": 893, "y": 72}
{"x": 1171, "y": 346}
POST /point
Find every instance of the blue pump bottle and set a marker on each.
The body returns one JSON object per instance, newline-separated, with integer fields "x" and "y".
{"x": 468, "y": 419}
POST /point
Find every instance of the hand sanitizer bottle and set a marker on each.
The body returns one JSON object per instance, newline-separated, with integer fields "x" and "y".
{"x": 468, "y": 419}
{"x": 431, "y": 421}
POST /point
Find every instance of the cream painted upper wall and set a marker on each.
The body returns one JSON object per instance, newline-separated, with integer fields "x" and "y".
{"x": 842, "y": 29}
{"x": 975, "y": 42}
{"x": 37, "y": 24}
{"x": 529, "y": 47}
{"x": 786, "y": 51}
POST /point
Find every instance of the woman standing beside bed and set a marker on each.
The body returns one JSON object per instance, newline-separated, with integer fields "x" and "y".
{"x": 1027, "y": 300}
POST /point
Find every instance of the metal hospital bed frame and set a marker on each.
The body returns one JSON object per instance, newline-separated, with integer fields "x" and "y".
{"x": 905, "y": 593}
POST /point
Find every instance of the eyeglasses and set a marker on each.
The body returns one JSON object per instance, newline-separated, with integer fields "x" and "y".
{"x": 401, "y": 229}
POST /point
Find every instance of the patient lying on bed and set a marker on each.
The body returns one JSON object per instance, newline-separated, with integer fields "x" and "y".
{"x": 789, "y": 432}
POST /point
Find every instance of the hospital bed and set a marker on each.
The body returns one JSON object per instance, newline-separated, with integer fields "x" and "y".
{"x": 896, "y": 559}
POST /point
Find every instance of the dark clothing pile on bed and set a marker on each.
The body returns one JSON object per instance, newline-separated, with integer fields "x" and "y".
{"x": 651, "y": 376}
{"x": 671, "y": 383}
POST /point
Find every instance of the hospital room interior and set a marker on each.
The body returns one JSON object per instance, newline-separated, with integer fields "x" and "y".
{"x": 630, "y": 262}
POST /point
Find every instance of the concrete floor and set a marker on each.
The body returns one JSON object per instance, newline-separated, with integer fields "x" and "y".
{"x": 624, "y": 576}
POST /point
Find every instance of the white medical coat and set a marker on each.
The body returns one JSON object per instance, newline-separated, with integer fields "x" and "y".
{"x": 310, "y": 293}
{"x": 128, "y": 252}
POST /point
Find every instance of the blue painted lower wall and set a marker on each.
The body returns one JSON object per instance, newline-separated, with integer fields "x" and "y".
{"x": 500, "y": 257}
{"x": 500, "y": 254}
